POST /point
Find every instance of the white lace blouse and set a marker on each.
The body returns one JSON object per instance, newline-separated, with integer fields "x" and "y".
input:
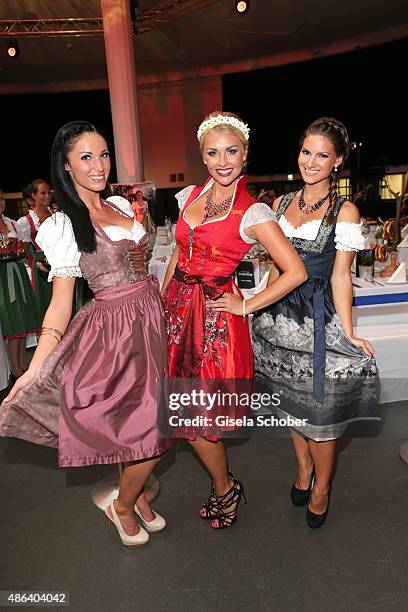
{"x": 56, "y": 238}
{"x": 348, "y": 236}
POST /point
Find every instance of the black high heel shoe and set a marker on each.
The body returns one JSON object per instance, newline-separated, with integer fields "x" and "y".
{"x": 226, "y": 518}
{"x": 209, "y": 509}
{"x": 314, "y": 521}
{"x": 300, "y": 497}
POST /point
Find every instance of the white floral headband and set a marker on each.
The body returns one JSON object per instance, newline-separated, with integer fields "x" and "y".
{"x": 223, "y": 120}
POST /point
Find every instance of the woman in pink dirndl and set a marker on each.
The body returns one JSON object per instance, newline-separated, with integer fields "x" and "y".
{"x": 93, "y": 385}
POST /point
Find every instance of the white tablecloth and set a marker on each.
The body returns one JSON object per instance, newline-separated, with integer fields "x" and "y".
{"x": 160, "y": 250}
{"x": 386, "y": 326}
{"x": 158, "y": 266}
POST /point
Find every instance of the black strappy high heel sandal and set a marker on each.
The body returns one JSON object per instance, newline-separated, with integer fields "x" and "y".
{"x": 209, "y": 509}
{"x": 226, "y": 518}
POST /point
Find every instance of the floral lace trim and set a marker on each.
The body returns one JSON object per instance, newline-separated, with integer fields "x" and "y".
{"x": 256, "y": 214}
{"x": 65, "y": 272}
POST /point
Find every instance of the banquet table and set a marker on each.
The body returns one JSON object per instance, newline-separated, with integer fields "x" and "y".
{"x": 380, "y": 314}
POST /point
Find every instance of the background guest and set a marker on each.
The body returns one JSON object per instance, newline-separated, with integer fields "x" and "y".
{"x": 28, "y": 227}
{"x": 18, "y": 312}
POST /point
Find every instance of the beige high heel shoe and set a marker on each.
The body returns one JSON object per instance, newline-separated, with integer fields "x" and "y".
{"x": 142, "y": 537}
{"x": 156, "y": 525}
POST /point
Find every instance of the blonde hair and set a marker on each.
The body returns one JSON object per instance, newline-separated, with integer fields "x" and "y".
{"x": 223, "y": 127}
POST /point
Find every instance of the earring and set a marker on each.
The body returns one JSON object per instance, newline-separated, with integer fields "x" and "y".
{"x": 205, "y": 162}
{"x": 335, "y": 168}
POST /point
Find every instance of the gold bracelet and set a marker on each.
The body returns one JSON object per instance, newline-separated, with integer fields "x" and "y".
{"x": 51, "y": 332}
{"x": 57, "y": 331}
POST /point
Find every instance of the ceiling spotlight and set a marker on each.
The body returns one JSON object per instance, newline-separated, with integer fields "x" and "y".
{"x": 242, "y": 6}
{"x": 13, "y": 50}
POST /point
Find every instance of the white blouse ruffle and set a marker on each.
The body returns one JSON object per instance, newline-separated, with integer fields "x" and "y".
{"x": 56, "y": 238}
{"x": 115, "y": 232}
{"x": 347, "y": 236}
{"x": 183, "y": 195}
{"x": 256, "y": 214}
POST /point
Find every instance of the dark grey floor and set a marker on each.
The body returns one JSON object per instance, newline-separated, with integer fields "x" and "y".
{"x": 53, "y": 538}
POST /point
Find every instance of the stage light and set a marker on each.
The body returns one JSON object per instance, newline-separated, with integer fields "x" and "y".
{"x": 242, "y": 6}
{"x": 13, "y": 50}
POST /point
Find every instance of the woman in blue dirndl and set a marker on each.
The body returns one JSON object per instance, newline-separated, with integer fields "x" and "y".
{"x": 304, "y": 342}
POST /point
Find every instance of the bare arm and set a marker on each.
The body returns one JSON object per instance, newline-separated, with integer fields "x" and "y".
{"x": 293, "y": 271}
{"x": 341, "y": 282}
{"x": 170, "y": 270}
{"x": 57, "y": 317}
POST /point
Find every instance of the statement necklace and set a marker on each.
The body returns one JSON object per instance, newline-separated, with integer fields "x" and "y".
{"x": 211, "y": 208}
{"x": 306, "y": 209}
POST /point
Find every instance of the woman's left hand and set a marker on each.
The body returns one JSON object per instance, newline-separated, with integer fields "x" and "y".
{"x": 364, "y": 344}
{"x": 228, "y": 302}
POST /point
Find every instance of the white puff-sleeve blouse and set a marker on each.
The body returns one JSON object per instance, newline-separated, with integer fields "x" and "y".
{"x": 56, "y": 238}
{"x": 256, "y": 214}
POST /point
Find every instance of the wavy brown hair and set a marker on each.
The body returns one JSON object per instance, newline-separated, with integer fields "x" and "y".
{"x": 335, "y": 131}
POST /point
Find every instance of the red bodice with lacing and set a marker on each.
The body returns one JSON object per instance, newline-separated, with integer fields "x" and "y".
{"x": 205, "y": 343}
{"x": 217, "y": 247}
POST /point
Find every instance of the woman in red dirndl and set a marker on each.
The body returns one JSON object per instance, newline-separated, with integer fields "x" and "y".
{"x": 207, "y": 330}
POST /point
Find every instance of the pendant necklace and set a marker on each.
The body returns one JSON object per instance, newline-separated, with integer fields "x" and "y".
{"x": 211, "y": 208}
{"x": 306, "y": 209}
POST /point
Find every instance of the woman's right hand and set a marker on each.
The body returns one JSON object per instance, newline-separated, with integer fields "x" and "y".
{"x": 23, "y": 381}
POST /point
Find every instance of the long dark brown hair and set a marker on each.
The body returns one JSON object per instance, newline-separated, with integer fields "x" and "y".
{"x": 336, "y": 132}
{"x": 66, "y": 195}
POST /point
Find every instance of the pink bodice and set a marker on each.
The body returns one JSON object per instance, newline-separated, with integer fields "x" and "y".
{"x": 114, "y": 263}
